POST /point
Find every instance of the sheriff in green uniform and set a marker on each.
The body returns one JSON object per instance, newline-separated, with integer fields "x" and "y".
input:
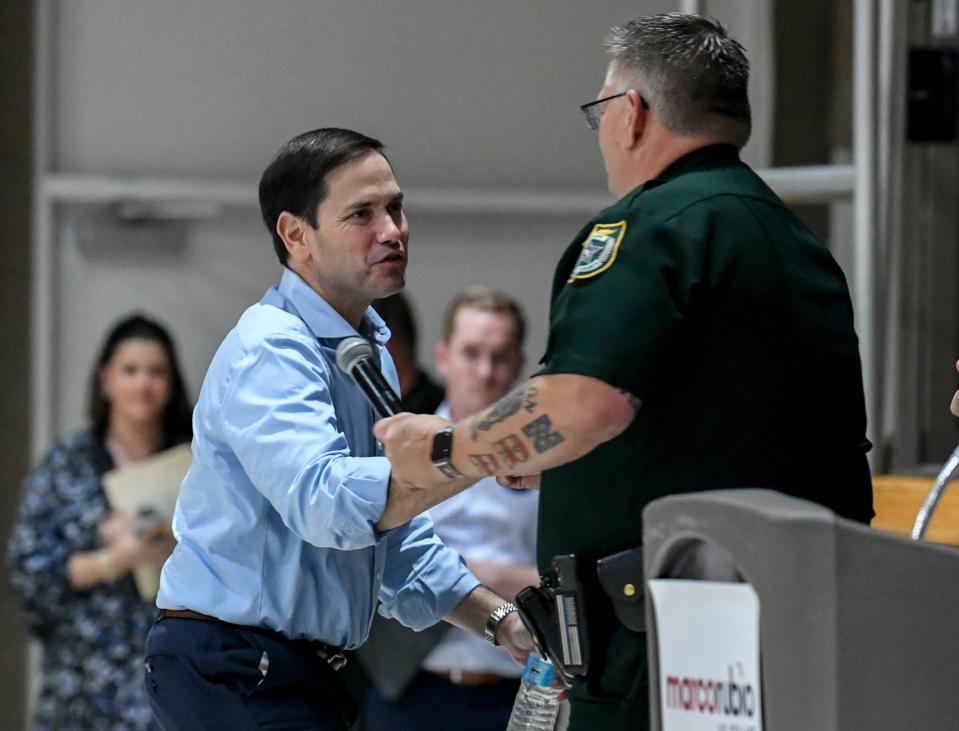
{"x": 703, "y": 295}
{"x": 700, "y": 338}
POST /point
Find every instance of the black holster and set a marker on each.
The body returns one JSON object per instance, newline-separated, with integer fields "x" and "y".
{"x": 555, "y": 612}
{"x": 621, "y": 577}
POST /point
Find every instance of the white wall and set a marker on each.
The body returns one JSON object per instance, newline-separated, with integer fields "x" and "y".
{"x": 467, "y": 96}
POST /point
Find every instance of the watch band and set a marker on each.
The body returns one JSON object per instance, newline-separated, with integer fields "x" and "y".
{"x": 441, "y": 451}
{"x": 494, "y": 619}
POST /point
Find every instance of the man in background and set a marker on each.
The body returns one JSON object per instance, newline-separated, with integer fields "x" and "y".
{"x": 450, "y": 679}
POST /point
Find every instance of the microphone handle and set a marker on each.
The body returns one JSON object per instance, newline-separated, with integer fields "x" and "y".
{"x": 377, "y": 390}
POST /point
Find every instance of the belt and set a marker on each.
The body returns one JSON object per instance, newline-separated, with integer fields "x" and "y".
{"x": 332, "y": 655}
{"x": 468, "y": 677}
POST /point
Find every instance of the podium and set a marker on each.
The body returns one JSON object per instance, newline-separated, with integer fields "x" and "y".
{"x": 858, "y": 628}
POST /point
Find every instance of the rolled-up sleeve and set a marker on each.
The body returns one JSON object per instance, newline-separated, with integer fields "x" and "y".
{"x": 278, "y": 418}
{"x": 424, "y": 579}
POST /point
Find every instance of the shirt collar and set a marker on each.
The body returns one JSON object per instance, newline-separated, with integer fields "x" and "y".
{"x": 322, "y": 319}
{"x": 705, "y": 157}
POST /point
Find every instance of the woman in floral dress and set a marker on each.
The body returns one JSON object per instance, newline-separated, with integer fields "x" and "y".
{"x": 71, "y": 556}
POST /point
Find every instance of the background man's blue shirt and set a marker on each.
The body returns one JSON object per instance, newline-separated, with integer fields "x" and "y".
{"x": 275, "y": 520}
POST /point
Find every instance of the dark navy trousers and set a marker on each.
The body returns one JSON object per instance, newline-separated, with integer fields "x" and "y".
{"x": 434, "y": 704}
{"x": 211, "y": 675}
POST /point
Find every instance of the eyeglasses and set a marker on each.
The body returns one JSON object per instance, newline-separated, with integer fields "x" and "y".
{"x": 593, "y": 113}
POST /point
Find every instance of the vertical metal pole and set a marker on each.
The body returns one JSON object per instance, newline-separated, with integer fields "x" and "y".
{"x": 43, "y": 258}
{"x": 694, "y": 7}
{"x": 864, "y": 196}
{"x": 42, "y": 273}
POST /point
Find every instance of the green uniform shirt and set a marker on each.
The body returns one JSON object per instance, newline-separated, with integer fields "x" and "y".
{"x": 703, "y": 295}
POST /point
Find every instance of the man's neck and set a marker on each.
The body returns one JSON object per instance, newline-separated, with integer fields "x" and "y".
{"x": 350, "y": 309}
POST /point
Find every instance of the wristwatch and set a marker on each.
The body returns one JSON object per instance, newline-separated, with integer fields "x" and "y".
{"x": 495, "y": 617}
{"x": 440, "y": 454}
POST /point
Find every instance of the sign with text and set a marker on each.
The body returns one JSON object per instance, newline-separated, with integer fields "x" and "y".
{"x": 708, "y": 636}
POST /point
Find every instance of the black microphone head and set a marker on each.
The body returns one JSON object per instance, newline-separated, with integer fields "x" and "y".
{"x": 351, "y": 351}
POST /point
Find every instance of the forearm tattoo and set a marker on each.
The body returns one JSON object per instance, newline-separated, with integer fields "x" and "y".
{"x": 529, "y": 399}
{"x": 487, "y": 463}
{"x": 511, "y": 450}
{"x": 542, "y": 433}
{"x": 522, "y": 397}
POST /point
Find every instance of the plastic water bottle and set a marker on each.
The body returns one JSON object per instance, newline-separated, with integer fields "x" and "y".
{"x": 537, "y": 702}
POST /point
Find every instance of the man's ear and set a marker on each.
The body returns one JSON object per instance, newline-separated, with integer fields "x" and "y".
{"x": 636, "y": 117}
{"x": 295, "y": 233}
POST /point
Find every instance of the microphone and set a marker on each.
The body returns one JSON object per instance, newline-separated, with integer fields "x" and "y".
{"x": 354, "y": 356}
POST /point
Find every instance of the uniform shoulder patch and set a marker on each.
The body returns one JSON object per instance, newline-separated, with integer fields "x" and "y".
{"x": 599, "y": 250}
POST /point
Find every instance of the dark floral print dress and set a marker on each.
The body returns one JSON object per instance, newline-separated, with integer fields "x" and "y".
{"x": 93, "y": 639}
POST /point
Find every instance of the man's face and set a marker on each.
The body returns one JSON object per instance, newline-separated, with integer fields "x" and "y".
{"x": 358, "y": 251}
{"x": 610, "y": 129}
{"x": 480, "y": 361}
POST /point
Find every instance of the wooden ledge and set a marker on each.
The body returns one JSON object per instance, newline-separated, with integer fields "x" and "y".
{"x": 897, "y": 499}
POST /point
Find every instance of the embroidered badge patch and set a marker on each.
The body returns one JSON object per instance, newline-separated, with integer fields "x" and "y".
{"x": 599, "y": 250}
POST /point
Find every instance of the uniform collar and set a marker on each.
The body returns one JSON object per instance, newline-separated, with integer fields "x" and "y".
{"x": 703, "y": 158}
{"x": 321, "y": 318}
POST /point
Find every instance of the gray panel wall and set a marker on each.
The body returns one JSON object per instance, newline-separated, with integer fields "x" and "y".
{"x": 478, "y": 96}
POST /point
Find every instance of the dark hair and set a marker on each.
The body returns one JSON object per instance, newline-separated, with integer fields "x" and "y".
{"x": 295, "y": 180}
{"x": 177, "y": 418}
{"x": 691, "y": 71}
{"x": 398, "y": 316}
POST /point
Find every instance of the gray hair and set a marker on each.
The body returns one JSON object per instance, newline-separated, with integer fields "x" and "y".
{"x": 691, "y": 72}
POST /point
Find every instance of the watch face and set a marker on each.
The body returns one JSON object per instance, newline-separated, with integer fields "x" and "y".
{"x": 442, "y": 444}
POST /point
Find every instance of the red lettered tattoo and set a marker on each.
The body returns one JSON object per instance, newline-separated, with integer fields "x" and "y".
{"x": 511, "y": 450}
{"x": 486, "y": 462}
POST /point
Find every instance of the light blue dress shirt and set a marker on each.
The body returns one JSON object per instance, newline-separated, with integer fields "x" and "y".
{"x": 275, "y": 519}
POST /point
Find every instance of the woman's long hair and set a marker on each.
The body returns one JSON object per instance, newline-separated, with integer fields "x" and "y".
{"x": 177, "y": 416}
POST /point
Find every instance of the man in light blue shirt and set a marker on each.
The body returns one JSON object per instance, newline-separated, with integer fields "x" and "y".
{"x": 289, "y": 526}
